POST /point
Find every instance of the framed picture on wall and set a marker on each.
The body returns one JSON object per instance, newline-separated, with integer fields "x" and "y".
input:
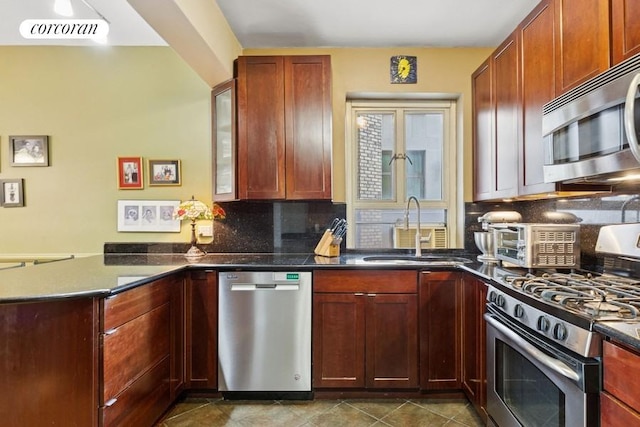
{"x": 30, "y": 150}
{"x": 11, "y": 193}
{"x": 130, "y": 173}
{"x": 148, "y": 215}
{"x": 164, "y": 172}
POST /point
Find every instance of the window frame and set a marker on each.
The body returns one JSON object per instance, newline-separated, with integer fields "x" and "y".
{"x": 451, "y": 168}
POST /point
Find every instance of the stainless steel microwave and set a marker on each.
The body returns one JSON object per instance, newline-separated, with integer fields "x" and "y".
{"x": 591, "y": 132}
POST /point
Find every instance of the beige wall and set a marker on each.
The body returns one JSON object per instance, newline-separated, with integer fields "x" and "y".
{"x": 367, "y": 70}
{"x": 97, "y": 104}
{"x": 100, "y": 103}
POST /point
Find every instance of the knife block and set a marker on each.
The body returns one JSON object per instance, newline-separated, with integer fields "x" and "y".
{"x": 326, "y": 246}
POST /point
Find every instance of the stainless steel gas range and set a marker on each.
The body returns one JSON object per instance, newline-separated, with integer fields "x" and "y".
{"x": 543, "y": 355}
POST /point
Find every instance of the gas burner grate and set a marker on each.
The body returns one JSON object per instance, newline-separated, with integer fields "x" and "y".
{"x": 599, "y": 297}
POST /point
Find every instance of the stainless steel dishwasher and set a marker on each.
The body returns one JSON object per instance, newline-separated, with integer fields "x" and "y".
{"x": 264, "y": 335}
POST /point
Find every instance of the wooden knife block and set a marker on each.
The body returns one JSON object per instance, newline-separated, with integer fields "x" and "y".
{"x": 326, "y": 247}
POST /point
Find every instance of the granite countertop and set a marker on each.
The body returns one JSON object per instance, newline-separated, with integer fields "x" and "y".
{"x": 102, "y": 275}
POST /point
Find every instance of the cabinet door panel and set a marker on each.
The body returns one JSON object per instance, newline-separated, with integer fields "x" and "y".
{"x": 473, "y": 342}
{"x": 392, "y": 341}
{"x": 49, "y": 372}
{"x": 261, "y": 133}
{"x": 618, "y": 366}
{"x": 483, "y": 142}
{"x": 507, "y": 109}
{"x": 142, "y": 403}
{"x": 376, "y": 281}
{"x": 202, "y": 330}
{"x": 625, "y": 29}
{"x": 537, "y": 88}
{"x": 308, "y": 127}
{"x": 582, "y": 41}
{"x": 614, "y": 413}
{"x": 338, "y": 340}
{"x": 440, "y": 327}
{"x": 128, "y": 305}
{"x": 133, "y": 348}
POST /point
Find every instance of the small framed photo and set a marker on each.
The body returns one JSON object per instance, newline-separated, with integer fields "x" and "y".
{"x": 29, "y": 150}
{"x": 164, "y": 172}
{"x": 130, "y": 173}
{"x": 148, "y": 215}
{"x": 11, "y": 193}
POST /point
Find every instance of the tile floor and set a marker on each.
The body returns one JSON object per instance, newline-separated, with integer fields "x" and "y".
{"x": 320, "y": 413}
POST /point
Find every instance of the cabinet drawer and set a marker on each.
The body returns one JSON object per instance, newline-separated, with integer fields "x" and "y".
{"x": 614, "y": 413}
{"x": 128, "y": 305}
{"x": 379, "y": 281}
{"x": 619, "y": 366}
{"x": 143, "y": 402}
{"x": 133, "y": 348}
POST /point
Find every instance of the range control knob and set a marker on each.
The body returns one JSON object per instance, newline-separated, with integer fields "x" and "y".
{"x": 560, "y": 332}
{"x": 492, "y": 296}
{"x": 500, "y": 301}
{"x": 518, "y": 311}
{"x": 543, "y": 324}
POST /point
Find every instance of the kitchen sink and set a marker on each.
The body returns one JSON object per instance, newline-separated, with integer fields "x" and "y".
{"x": 432, "y": 260}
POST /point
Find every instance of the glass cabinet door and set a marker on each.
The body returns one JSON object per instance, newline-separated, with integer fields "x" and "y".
{"x": 224, "y": 141}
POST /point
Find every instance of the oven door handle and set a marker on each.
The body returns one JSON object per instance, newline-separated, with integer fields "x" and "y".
{"x": 554, "y": 364}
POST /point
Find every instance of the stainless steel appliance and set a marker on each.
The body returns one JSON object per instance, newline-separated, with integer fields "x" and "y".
{"x": 264, "y": 334}
{"x": 539, "y": 245}
{"x": 485, "y": 239}
{"x": 543, "y": 355}
{"x": 591, "y": 132}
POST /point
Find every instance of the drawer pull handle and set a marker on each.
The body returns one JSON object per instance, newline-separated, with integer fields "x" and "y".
{"x": 359, "y": 294}
{"x": 110, "y": 402}
{"x": 371, "y": 295}
{"x": 111, "y": 331}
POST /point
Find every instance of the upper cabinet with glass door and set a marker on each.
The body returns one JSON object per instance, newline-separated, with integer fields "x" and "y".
{"x": 401, "y": 150}
{"x": 224, "y": 141}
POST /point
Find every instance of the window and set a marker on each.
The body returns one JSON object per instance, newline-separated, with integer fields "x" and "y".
{"x": 397, "y": 150}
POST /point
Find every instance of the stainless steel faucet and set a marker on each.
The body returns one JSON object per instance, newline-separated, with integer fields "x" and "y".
{"x": 419, "y": 238}
{"x": 623, "y": 209}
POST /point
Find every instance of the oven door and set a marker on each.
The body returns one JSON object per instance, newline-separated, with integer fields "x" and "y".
{"x": 531, "y": 383}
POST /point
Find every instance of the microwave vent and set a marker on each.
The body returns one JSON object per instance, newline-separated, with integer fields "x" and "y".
{"x": 629, "y": 66}
{"x": 405, "y": 239}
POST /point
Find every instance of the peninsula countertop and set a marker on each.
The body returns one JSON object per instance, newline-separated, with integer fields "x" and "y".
{"x": 102, "y": 275}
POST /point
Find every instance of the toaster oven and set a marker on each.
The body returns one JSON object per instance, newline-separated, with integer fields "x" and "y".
{"x": 539, "y": 245}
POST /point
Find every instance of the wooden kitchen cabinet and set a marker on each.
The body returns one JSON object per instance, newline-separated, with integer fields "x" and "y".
{"x": 474, "y": 380}
{"x": 284, "y": 127}
{"x": 496, "y": 124}
{"x": 625, "y": 29}
{"x": 223, "y": 109}
{"x": 202, "y": 330}
{"x": 537, "y": 87}
{"x": 365, "y": 329}
{"x": 140, "y": 344}
{"x": 49, "y": 373}
{"x": 582, "y": 47}
{"x": 440, "y": 330}
{"x": 620, "y": 398}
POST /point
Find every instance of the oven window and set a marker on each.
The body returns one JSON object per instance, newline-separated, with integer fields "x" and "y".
{"x": 532, "y": 397}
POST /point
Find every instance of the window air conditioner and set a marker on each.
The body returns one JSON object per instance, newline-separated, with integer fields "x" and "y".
{"x": 405, "y": 239}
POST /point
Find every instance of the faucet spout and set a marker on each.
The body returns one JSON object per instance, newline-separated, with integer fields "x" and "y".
{"x": 623, "y": 209}
{"x": 418, "y": 240}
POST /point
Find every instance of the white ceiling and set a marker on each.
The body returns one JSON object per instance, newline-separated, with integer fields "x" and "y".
{"x": 305, "y": 23}
{"x": 373, "y": 23}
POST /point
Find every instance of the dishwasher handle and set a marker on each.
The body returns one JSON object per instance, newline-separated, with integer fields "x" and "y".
{"x": 265, "y": 286}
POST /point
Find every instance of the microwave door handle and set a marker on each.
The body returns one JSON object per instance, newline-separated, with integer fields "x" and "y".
{"x": 551, "y": 363}
{"x": 629, "y": 117}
